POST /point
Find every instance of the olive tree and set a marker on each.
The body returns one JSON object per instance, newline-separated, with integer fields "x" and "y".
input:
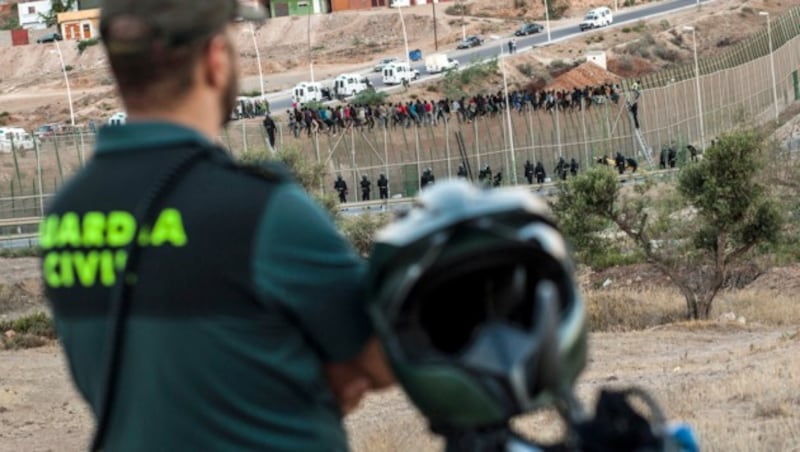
{"x": 693, "y": 234}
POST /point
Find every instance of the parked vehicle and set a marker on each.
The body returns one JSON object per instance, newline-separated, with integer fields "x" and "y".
{"x": 305, "y": 92}
{"x": 596, "y": 18}
{"x": 529, "y": 29}
{"x": 49, "y": 37}
{"x": 439, "y": 62}
{"x": 349, "y": 85}
{"x": 397, "y": 73}
{"x": 118, "y": 119}
{"x": 383, "y": 63}
{"x": 46, "y": 131}
{"x": 15, "y": 138}
{"x": 470, "y": 41}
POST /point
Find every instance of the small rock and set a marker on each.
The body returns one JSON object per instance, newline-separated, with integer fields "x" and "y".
{"x": 10, "y": 334}
{"x": 741, "y": 320}
{"x": 606, "y": 283}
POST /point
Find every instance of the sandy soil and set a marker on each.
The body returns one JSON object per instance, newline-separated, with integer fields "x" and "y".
{"x": 719, "y": 378}
{"x": 737, "y": 384}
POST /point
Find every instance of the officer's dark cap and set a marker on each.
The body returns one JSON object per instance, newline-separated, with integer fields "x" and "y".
{"x": 141, "y": 26}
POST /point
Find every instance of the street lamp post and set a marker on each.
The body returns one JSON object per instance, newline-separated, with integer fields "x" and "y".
{"x": 513, "y": 168}
{"x": 772, "y": 63}
{"x": 258, "y": 60}
{"x": 463, "y": 24}
{"x": 308, "y": 38}
{"x": 697, "y": 87}
{"x": 547, "y": 18}
{"x": 405, "y": 36}
{"x": 66, "y": 80}
{"x": 435, "y": 38}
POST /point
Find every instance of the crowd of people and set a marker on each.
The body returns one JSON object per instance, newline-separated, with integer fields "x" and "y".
{"x": 419, "y": 112}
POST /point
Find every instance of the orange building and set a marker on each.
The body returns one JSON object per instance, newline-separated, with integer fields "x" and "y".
{"x": 79, "y": 25}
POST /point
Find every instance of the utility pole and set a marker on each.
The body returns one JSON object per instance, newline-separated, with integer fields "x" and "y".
{"x": 435, "y": 38}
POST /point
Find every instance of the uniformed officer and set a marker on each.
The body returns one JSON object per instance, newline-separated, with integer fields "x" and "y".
{"x": 561, "y": 168}
{"x": 573, "y": 167}
{"x": 383, "y": 186}
{"x": 528, "y": 168}
{"x": 672, "y": 157}
{"x": 632, "y": 164}
{"x": 540, "y": 173}
{"x": 498, "y": 179}
{"x": 619, "y": 161}
{"x": 365, "y": 187}
{"x": 341, "y": 188}
{"x": 269, "y": 127}
{"x": 462, "y": 172}
{"x": 234, "y": 320}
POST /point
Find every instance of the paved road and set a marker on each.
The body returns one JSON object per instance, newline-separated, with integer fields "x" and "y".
{"x": 492, "y": 48}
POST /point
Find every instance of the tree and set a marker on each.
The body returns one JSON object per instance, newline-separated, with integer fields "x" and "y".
{"x": 57, "y": 6}
{"x": 693, "y": 234}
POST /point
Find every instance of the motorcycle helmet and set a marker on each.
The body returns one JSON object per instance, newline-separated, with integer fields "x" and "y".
{"x": 473, "y": 297}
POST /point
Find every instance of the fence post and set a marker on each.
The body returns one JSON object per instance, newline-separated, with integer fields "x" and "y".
{"x": 39, "y": 177}
{"x": 58, "y": 159}
{"x": 447, "y": 148}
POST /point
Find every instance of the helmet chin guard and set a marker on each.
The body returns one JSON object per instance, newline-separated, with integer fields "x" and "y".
{"x": 473, "y": 296}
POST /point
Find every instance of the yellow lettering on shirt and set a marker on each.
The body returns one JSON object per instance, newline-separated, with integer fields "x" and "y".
{"x": 89, "y": 249}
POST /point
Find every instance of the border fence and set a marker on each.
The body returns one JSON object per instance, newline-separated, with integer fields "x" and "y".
{"x": 734, "y": 86}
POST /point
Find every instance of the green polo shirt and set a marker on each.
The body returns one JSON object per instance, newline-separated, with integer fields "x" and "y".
{"x": 244, "y": 289}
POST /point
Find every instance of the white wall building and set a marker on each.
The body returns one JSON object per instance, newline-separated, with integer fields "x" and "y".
{"x": 30, "y": 14}
{"x": 597, "y": 57}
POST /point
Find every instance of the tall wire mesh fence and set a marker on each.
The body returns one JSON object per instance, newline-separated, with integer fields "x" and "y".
{"x": 733, "y": 87}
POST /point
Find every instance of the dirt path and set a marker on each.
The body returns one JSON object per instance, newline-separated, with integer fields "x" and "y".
{"x": 737, "y": 385}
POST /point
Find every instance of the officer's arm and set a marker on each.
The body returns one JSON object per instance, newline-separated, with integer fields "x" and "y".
{"x": 306, "y": 265}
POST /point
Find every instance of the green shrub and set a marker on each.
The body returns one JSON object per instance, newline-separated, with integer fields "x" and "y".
{"x": 525, "y": 69}
{"x": 667, "y": 54}
{"x": 361, "y": 229}
{"x": 458, "y": 10}
{"x": 86, "y": 43}
{"x": 370, "y": 97}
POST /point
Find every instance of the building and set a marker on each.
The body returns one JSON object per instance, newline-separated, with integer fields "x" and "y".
{"x": 279, "y": 8}
{"x": 79, "y": 25}
{"x": 32, "y": 15}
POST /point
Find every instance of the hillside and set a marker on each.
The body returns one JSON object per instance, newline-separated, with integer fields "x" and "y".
{"x": 32, "y": 85}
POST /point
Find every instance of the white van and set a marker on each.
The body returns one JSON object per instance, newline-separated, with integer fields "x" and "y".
{"x": 396, "y": 73}
{"x": 596, "y": 18}
{"x": 349, "y": 85}
{"x": 439, "y": 62}
{"x": 118, "y": 119}
{"x": 15, "y": 138}
{"x": 305, "y": 92}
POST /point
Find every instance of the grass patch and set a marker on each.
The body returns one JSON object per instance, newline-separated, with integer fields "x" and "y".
{"x": 20, "y": 252}
{"x": 27, "y": 332}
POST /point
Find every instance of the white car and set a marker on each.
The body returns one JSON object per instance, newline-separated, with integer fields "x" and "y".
{"x": 596, "y": 18}
{"x": 383, "y": 63}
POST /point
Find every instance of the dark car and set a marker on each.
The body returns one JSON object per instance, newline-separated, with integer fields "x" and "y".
{"x": 49, "y": 37}
{"x": 529, "y": 29}
{"x": 470, "y": 41}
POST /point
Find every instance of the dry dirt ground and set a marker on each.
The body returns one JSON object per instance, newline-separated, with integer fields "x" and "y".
{"x": 737, "y": 384}
{"x": 32, "y": 85}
